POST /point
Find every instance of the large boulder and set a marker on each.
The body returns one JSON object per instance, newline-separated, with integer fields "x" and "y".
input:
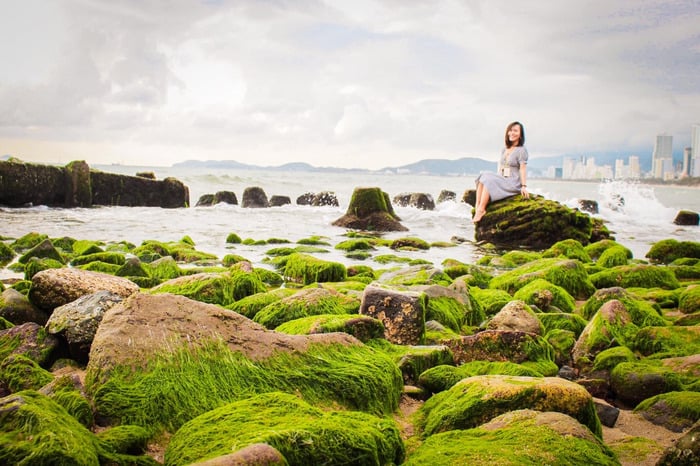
{"x": 30, "y": 340}
{"x": 687, "y": 217}
{"x": 52, "y": 288}
{"x": 422, "y": 201}
{"x": 517, "y": 316}
{"x": 536, "y": 223}
{"x": 402, "y": 313}
{"x": 370, "y": 209}
{"x": 16, "y": 308}
{"x": 254, "y": 197}
{"x": 476, "y": 400}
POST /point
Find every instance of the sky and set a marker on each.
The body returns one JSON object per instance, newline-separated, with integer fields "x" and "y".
{"x": 351, "y": 84}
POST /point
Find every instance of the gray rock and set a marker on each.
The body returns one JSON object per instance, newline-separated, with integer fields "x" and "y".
{"x": 517, "y": 316}
{"x": 401, "y": 312}
{"x": 607, "y": 413}
{"x": 16, "y": 308}
{"x": 254, "y": 197}
{"x": 78, "y": 320}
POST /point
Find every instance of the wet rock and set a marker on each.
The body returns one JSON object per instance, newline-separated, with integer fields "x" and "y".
{"x": 401, "y": 312}
{"x": 517, "y": 316}
{"x": 446, "y": 195}
{"x": 16, "y": 308}
{"x": 419, "y": 200}
{"x": 257, "y": 454}
{"x": 687, "y": 217}
{"x": 370, "y": 209}
{"x": 32, "y": 341}
{"x": 588, "y": 205}
{"x": 686, "y": 450}
{"x": 254, "y": 197}
{"x": 277, "y": 201}
{"x": 607, "y": 413}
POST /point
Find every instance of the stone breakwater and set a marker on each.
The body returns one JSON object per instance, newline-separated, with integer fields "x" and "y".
{"x": 77, "y": 185}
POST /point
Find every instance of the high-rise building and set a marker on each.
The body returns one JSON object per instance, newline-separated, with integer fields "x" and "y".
{"x": 635, "y": 171}
{"x": 662, "y": 157}
{"x": 685, "y": 169}
{"x": 694, "y": 167}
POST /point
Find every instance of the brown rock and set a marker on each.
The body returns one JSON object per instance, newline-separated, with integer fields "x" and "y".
{"x": 401, "y": 312}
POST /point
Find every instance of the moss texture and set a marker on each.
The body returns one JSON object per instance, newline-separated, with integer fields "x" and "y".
{"x": 513, "y": 439}
{"x": 363, "y": 328}
{"x": 251, "y": 305}
{"x": 615, "y": 256}
{"x": 532, "y": 293}
{"x": 674, "y": 410}
{"x": 18, "y": 372}
{"x": 636, "y": 275}
{"x": 643, "y": 313}
{"x": 689, "y": 300}
{"x": 305, "y": 303}
{"x": 667, "y": 341}
{"x": 568, "y": 274}
{"x": 489, "y": 300}
{"x": 569, "y": 248}
{"x": 176, "y": 387}
{"x": 479, "y": 399}
{"x": 668, "y": 250}
{"x": 444, "y": 377}
{"x": 303, "y": 434}
{"x": 308, "y": 269}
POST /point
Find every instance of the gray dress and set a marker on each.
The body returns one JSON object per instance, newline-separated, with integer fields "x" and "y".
{"x": 506, "y": 182}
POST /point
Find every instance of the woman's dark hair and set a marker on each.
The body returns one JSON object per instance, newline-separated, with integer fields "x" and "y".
{"x": 521, "y": 141}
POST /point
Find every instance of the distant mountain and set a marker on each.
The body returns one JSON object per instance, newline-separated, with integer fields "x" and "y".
{"x": 443, "y": 167}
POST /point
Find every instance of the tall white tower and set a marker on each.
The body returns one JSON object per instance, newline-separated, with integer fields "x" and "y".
{"x": 694, "y": 169}
{"x": 662, "y": 156}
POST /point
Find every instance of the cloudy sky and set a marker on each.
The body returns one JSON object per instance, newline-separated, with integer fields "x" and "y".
{"x": 362, "y": 83}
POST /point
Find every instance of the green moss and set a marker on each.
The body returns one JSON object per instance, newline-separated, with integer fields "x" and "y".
{"x": 218, "y": 289}
{"x": 594, "y": 250}
{"x": 233, "y": 238}
{"x": 476, "y": 400}
{"x": 562, "y": 321}
{"x": 6, "y": 254}
{"x": 635, "y": 450}
{"x": 76, "y": 405}
{"x": 689, "y": 300}
{"x": 269, "y": 277}
{"x": 251, "y": 305}
{"x": 569, "y": 248}
{"x": 361, "y": 327}
{"x": 304, "y": 303}
{"x": 83, "y": 247}
{"x": 43, "y": 250}
{"x": 568, "y": 274}
{"x": 515, "y": 258}
{"x": 643, "y": 314}
{"x": 636, "y": 275}
{"x": 420, "y": 274}
{"x": 102, "y": 267}
{"x": 114, "y": 258}
{"x": 409, "y": 244}
{"x": 304, "y": 435}
{"x": 354, "y": 245}
{"x": 532, "y": 293}
{"x": 615, "y": 256}
{"x": 676, "y": 410}
{"x": 178, "y": 386}
{"x": 35, "y": 265}
{"x": 491, "y": 301}
{"x": 125, "y": 439}
{"x": 660, "y": 298}
{"x": 230, "y": 259}
{"x": 308, "y": 269}
{"x": 444, "y": 377}
{"x": 28, "y": 241}
{"x": 133, "y": 268}
{"x": 22, "y": 286}
{"x": 562, "y": 342}
{"x": 21, "y": 373}
{"x": 667, "y": 341}
{"x": 315, "y": 241}
{"x": 636, "y": 381}
{"x": 668, "y": 250}
{"x": 164, "y": 268}
{"x": 525, "y": 442}
{"x": 607, "y": 359}
{"x": 453, "y": 314}
{"x": 474, "y": 275}
{"x": 388, "y": 258}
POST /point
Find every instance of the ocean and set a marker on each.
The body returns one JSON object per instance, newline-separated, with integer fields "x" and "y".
{"x": 645, "y": 217}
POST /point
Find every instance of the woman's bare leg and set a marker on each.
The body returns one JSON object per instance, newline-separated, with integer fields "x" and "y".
{"x": 481, "y": 202}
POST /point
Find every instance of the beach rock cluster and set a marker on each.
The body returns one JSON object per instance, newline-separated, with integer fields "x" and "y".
{"x": 159, "y": 353}
{"x": 77, "y": 185}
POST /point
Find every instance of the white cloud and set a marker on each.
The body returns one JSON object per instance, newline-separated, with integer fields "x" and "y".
{"x": 366, "y": 83}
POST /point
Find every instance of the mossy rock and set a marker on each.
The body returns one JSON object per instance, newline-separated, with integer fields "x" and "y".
{"x": 667, "y": 341}
{"x": 364, "y": 328}
{"x": 28, "y": 241}
{"x": 569, "y": 274}
{"x": 675, "y": 411}
{"x": 422, "y": 274}
{"x": 686, "y": 273}
{"x": 614, "y": 256}
{"x": 562, "y": 321}
{"x": 179, "y": 385}
{"x": 634, "y": 382}
{"x": 474, "y": 275}
{"x": 358, "y": 244}
{"x": 689, "y": 300}
{"x": 443, "y": 377}
{"x": 308, "y": 269}
{"x": 409, "y": 244}
{"x": 114, "y": 258}
{"x": 562, "y": 341}
{"x": 133, "y": 268}
{"x": 597, "y": 248}
{"x": 305, "y": 303}
{"x": 453, "y": 312}
{"x": 38, "y": 430}
{"x": 84, "y": 247}
{"x": 669, "y": 250}
{"x": 512, "y": 259}
{"x": 102, "y": 267}
{"x": 535, "y": 223}
{"x": 251, "y": 305}
{"x": 607, "y": 359}
{"x": 569, "y": 248}
{"x": 6, "y": 254}
{"x": 491, "y": 301}
{"x": 125, "y": 439}
{"x": 370, "y": 209}
{"x": 302, "y": 433}
{"x": 476, "y": 400}
{"x": 165, "y": 268}
{"x": 535, "y": 293}
{"x": 35, "y": 265}
{"x": 76, "y": 405}
{"x": 209, "y": 288}
{"x": 43, "y": 250}
{"x": 516, "y": 438}
{"x": 19, "y": 372}
{"x": 643, "y": 313}
{"x": 636, "y": 275}
{"x": 635, "y": 450}
{"x": 659, "y": 298}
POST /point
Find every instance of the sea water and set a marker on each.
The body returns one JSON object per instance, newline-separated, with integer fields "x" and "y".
{"x": 637, "y": 214}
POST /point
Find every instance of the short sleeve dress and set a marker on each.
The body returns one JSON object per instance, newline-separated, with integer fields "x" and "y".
{"x": 507, "y": 181}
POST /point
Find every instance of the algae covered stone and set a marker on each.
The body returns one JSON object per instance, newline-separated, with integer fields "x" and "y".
{"x": 675, "y": 411}
{"x": 370, "y": 209}
{"x": 303, "y": 434}
{"x": 516, "y": 438}
{"x": 569, "y": 274}
{"x": 476, "y": 400}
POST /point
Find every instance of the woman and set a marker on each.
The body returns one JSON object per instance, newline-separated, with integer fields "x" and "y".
{"x": 511, "y": 177}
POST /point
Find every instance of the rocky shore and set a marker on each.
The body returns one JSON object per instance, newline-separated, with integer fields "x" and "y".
{"x": 570, "y": 352}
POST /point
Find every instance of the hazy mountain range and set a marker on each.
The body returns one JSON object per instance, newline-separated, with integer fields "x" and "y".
{"x": 445, "y": 167}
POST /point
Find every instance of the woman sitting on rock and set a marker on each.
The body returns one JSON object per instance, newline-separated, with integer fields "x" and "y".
{"x": 511, "y": 177}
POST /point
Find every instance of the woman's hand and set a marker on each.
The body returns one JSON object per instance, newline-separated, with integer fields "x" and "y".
{"x": 524, "y": 193}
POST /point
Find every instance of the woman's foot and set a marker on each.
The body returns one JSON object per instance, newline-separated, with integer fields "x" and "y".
{"x": 478, "y": 215}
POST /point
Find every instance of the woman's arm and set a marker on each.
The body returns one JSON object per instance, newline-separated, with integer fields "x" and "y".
{"x": 523, "y": 180}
